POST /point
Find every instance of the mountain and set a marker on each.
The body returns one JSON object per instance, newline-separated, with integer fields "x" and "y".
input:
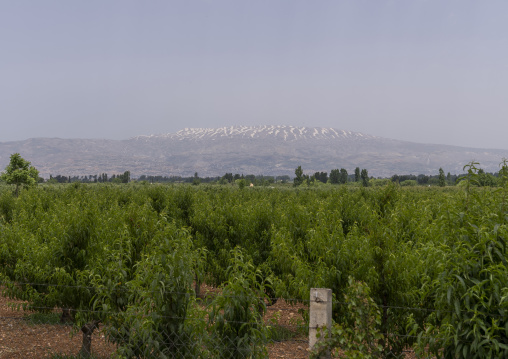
{"x": 267, "y": 150}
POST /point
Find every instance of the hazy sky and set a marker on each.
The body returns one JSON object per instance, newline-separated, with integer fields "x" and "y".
{"x": 418, "y": 70}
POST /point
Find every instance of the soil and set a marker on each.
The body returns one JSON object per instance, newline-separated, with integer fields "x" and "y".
{"x": 20, "y": 338}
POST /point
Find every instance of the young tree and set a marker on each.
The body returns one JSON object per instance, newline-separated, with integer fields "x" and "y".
{"x": 236, "y": 319}
{"x": 20, "y": 172}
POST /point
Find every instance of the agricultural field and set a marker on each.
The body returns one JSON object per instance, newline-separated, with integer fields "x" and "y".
{"x": 412, "y": 269}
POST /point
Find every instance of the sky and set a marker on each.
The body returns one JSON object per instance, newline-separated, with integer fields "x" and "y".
{"x": 429, "y": 71}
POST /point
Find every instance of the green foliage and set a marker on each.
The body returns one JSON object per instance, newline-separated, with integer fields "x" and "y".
{"x": 441, "y": 178}
{"x": 150, "y": 310}
{"x": 358, "y": 335}
{"x": 7, "y": 205}
{"x": 298, "y": 180}
{"x": 241, "y": 183}
{"x": 503, "y": 183}
{"x": 376, "y": 182}
{"x": 343, "y": 175}
{"x": 20, "y": 172}
{"x": 338, "y": 176}
{"x": 408, "y": 183}
{"x": 43, "y": 318}
{"x": 470, "y": 295}
{"x": 470, "y": 289}
{"x": 321, "y": 177}
{"x": 486, "y": 179}
{"x": 365, "y": 177}
{"x": 113, "y": 253}
{"x": 237, "y": 313}
{"x": 335, "y": 176}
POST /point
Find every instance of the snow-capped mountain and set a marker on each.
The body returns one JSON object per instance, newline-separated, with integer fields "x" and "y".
{"x": 286, "y": 133}
{"x": 267, "y": 150}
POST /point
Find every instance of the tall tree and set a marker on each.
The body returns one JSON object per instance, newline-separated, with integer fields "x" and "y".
{"x": 20, "y": 172}
{"x": 196, "y": 180}
{"x": 365, "y": 177}
{"x": 335, "y": 176}
{"x": 125, "y": 177}
{"x": 321, "y": 176}
{"x": 357, "y": 174}
{"x": 441, "y": 178}
{"x": 343, "y": 175}
{"x": 422, "y": 179}
{"x": 228, "y": 177}
{"x": 298, "y": 180}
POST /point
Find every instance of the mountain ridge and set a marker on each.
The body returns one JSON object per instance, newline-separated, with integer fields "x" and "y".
{"x": 287, "y": 133}
{"x": 267, "y": 150}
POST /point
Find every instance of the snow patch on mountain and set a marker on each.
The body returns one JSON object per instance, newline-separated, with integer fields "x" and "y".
{"x": 286, "y": 133}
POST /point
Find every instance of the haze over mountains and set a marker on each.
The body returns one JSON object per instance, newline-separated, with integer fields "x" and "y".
{"x": 267, "y": 150}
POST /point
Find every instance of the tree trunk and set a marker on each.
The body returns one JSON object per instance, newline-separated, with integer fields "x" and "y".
{"x": 66, "y": 316}
{"x": 197, "y": 287}
{"x": 87, "y": 329}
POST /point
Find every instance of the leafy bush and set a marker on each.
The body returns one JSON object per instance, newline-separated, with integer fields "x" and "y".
{"x": 148, "y": 314}
{"x": 358, "y": 336}
{"x": 408, "y": 183}
{"x": 237, "y": 313}
{"x": 470, "y": 293}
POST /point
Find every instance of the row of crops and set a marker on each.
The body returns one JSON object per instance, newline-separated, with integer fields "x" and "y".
{"x": 131, "y": 258}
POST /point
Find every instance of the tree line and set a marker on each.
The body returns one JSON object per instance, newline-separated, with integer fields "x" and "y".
{"x": 361, "y": 176}
{"x": 337, "y": 176}
{"x": 100, "y": 178}
{"x": 21, "y": 173}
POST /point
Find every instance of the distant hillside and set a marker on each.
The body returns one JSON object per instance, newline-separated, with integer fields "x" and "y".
{"x": 268, "y": 150}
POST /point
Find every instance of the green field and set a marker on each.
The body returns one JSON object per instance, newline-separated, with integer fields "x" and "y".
{"x": 433, "y": 259}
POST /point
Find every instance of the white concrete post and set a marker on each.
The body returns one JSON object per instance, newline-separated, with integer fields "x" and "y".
{"x": 320, "y": 313}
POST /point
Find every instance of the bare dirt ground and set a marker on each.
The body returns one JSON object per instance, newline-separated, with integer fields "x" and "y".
{"x": 21, "y": 338}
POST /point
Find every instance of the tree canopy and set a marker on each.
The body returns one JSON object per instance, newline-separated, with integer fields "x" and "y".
{"x": 441, "y": 178}
{"x": 298, "y": 180}
{"x": 20, "y": 172}
{"x": 365, "y": 177}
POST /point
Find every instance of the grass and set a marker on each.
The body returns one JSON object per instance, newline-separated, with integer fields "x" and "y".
{"x": 44, "y": 318}
{"x": 280, "y": 333}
